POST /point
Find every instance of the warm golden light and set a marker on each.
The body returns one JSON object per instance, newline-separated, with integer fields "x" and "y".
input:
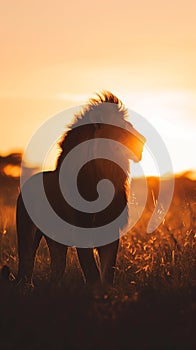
{"x": 148, "y": 61}
{"x": 11, "y": 170}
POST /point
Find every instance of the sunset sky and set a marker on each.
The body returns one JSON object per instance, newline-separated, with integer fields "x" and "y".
{"x": 57, "y": 54}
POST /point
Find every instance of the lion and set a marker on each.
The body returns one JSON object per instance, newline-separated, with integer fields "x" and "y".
{"x": 94, "y": 121}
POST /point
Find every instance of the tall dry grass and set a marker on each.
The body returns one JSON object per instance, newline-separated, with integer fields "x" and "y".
{"x": 165, "y": 258}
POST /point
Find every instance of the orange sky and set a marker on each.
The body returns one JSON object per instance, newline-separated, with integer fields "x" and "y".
{"x": 55, "y": 55}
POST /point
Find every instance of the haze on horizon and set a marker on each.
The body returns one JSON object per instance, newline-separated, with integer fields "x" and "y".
{"x": 56, "y": 57}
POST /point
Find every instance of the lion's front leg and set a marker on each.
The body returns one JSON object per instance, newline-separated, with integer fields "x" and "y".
{"x": 107, "y": 255}
{"x": 88, "y": 265}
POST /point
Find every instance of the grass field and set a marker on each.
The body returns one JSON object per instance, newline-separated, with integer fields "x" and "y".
{"x": 151, "y": 306}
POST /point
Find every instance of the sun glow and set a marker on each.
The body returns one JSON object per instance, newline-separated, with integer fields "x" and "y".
{"x": 12, "y": 170}
{"x": 171, "y": 113}
{"x": 148, "y": 62}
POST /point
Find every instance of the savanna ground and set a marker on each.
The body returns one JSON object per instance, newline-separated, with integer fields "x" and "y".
{"x": 151, "y": 306}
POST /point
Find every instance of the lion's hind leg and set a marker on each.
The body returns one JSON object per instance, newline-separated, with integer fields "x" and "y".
{"x": 58, "y": 253}
{"x": 28, "y": 241}
{"x": 107, "y": 255}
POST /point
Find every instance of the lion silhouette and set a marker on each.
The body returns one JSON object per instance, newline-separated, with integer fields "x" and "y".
{"x": 91, "y": 123}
